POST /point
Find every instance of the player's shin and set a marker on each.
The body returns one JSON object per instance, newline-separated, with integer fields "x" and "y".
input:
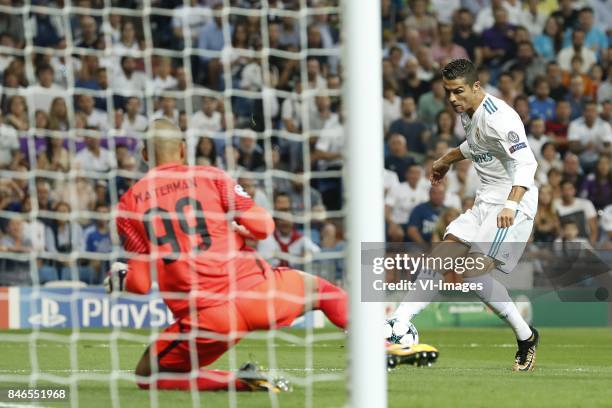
{"x": 417, "y": 299}
{"x": 496, "y": 296}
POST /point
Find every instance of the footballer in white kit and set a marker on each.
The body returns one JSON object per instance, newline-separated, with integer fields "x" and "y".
{"x": 497, "y": 146}
{"x": 498, "y": 226}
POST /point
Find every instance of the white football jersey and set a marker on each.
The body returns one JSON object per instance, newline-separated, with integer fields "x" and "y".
{"x": 497, "y": 145}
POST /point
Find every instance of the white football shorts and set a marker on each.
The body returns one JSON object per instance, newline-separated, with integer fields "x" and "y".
{"x": 477, "y": 228}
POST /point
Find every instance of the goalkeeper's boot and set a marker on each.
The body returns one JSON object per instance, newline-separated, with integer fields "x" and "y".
{"x": 417, "y": 354}
{"x": 250, "y": 374}
{"x": 525, "y": 357}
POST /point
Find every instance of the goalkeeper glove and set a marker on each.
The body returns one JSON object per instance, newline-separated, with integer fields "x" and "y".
{"x": 115, "y": 280}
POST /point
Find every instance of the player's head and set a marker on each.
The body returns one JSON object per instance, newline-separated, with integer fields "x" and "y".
{"x": 165, "y": 144}
{"x": 461, "y": 84}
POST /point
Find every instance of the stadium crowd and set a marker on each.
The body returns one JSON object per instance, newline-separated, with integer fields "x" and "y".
{"x": 73, "y": 123}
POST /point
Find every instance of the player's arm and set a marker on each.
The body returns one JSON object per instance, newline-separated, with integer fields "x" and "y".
{"x": 442, "y": 165}
{"x": 511, "y": 136}
{"x": 134, "y": 276}
{"x": 255, "y": 221}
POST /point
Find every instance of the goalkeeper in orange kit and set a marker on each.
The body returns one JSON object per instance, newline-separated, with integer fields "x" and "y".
{"x": 187, "y": 225}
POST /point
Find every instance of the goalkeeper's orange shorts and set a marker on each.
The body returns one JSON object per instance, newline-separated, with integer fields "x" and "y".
{"x": 271, "y": 304}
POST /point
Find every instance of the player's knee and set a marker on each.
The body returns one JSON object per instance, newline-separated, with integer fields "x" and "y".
{"x": 477, "y": 265}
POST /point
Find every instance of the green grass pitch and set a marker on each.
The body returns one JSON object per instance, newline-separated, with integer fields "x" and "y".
{"x": 574, "y": 369}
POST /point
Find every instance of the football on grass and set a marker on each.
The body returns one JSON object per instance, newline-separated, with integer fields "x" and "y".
{"x": 397, "y": 332}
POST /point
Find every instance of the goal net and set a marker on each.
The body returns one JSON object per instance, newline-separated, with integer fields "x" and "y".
{"x": 255, "y": 88}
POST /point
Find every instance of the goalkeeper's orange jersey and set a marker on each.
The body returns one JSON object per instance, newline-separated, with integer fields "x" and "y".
{"x": 176, "y": 223}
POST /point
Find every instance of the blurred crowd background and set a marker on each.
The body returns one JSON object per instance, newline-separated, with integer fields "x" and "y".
{"x": 259, "y": 96}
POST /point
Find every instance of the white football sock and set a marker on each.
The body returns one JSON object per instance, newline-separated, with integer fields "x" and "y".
{"x": 496, "y": 296}
{"x": 416, "y": 300}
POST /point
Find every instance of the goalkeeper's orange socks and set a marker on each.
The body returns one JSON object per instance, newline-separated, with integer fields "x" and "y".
{"x": 208, "y": 380}
{"x": 333, "y": 301}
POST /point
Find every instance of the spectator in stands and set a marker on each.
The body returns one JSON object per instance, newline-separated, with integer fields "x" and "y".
{"x": 577, "y": 48}
{"x": 251, "y": 155}
{"x": 64, "y": 237}
{"x": 98, "y": 240}
{"x": 578, "y": 210}
{"x": 391, "y": 106}
{"x": 557, "y": 128}
{"x": 572, "y": 170}
{"x": 423, "y": 22}
{"x": 546, "y": 224}
{"x": 331, "y": 269}
{"x": 15, "y": 272}
{"x": 95, "y": 118}
{"x": 566, "y": 14}
{"x": 128, "y": 43}
{"x": 532, "y": 18}
{"x": 188, "y": 20}
{"x": 465, "y": 36}
{"x": 94, "y": 157}
{"x": 206, "y": 153}
{"x": 604, "y": 92}
{"x": 132, "y": 123}
{"x": 576, "y": 96}
{"x": 432, "y": 102}
{"x": 17, "y": 115}
{"x": 548, "y": 43}
{"x": 413, "y": 85}
{"x": 505, "y": 85}
{"x": 424, "y": 217}
{"x": 286, "y": 243}
{"x": 555, "y": 177}
{"x": 521, "y": 106}
{"x": 528, "y": 63}
{"x": 58, "y": 115}
{"x": 537, "y": 137}
{"x": 327, "y": 155}
{"x": 413, "y": 130}
{"x": 45, "y": 91}
{"x": 558, "y": 91}
{"x": 128, "y": 81}
{"x": 498, "y": 40}
{"x": 445, "y": 49}
{"x": 295, "y": 188}
{"x": 398, "y": 159}
{"x": 11, "y": 25}
{"x": 9, "y": 146}
{"x": 89, "y": 34}
{"x": 444, "y": 131}
{"x": 597, "y": 186}
{"x": 589, "y": 136}
{"x": 208, "y": 119}
{"x": 401, "y": 200}
{"x": 594, "y": 38}
{"x": 55, "y": 157}
{"x": 210, "y": 38}
{"x": 541, "y": 105}
{"x": 167, "y": 109}
{"x": 163, "y": 79}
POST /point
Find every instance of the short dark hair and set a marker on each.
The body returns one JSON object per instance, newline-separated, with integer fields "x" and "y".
{"x": 567, "y": 181}
{"x": 461, "y": 68}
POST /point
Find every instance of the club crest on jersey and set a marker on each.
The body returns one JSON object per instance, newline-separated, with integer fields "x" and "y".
{"x": 240, "y": 191}
{"x": 513, "y": 137}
